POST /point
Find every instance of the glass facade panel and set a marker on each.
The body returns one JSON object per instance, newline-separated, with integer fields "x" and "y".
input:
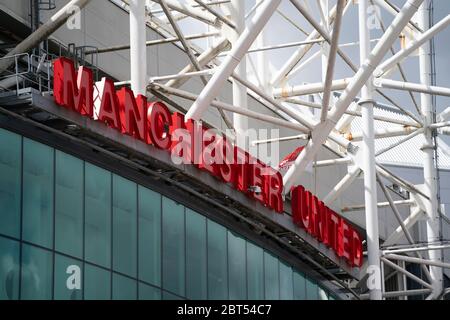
{"x": 217, "y": 262}
{"x": 97, "y": 283}
{"x": 312, "y": 292}
{"x": 124, "y": 226}
{"x": 97, "y": 215}
{"x": 137, "y": 242}
{"x": 10, "y": 182}
{"x": 149, "y": 236}
{"x": 271, "y": 277}
{"x": 237, "y": 279}
{"x": 299, "y": 286}
{"x": 286, "y": 282}
{"x": 147, "y": 292}
{"x": 124, "y": 288}
{"x": 9, "y": 269}
{"x": 168, "y": 296}
{"x": 37, "y": 273}
{"x": 68, "y": 278}
{"x": 173, "y": 246}
{"x": 255, "y": 272}
{"x": 38, "y": 191}
{"x": 69, "y": 204}
{"x": 195, "y": 256}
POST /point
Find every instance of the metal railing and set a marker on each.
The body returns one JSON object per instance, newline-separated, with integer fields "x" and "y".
{"x": 28, "y": 71}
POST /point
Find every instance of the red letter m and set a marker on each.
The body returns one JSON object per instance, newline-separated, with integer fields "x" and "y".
{"x": 73, "y": 90}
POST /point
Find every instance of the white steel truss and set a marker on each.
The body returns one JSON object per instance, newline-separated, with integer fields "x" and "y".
{"x": 227, "y": 24}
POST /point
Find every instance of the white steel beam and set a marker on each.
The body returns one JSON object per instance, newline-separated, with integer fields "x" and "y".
{"x": 216, "y": 14}
{"x": 417, "y": 249}
{"x": 321, "y": 131}
{"x": 407, "y": 138}
{"x": 416, "y": 214}
{"x": 152, "y": 42}
{"x": 262, "y": 61}
{"x": 332, "y": 59}
{"x": 379, "y": 205}
{"x": 407, "y": 273}
{"x": 400, "y": 221}
{"x": 193, "y": 12}
{"x": 342, "y": 185}
{"x": 138, "y": 49}
{"x": 310, "y": 88}
{"x": 244, "y": 42}
{"x": 414, "y": 45}
{"x": 382, "y": 133}
{"x": 408, "y": 86}
{"x": 231, "y": 108}
{"x": 240, "y": 122}
{"x": 300, "y": 53}
{"x": 432, "y": 263}
{"x": 429, "y": 169}
{"x": 203, "y": 59}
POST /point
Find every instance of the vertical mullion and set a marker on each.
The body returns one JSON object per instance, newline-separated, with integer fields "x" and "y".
{"x": 111, "y": 230}
{"x": 54, "y": 223}
{"x": 21, "y": 220}
{"x": 83, "y": 192}
{"x": 137, "y": 241}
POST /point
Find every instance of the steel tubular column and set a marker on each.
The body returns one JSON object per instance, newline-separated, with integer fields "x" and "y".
{"x": 368, "y": 152}
{"x": 402, "y": 54}
{"x": 214, "y": 86}
{"x": 321, "y": 132}
{"x": 430, "y": 172}
{"x": 138, "y": 48}
{"x": 263, "y": 67}
{"x": 203, "y": 60}
{"x": 240, "y": 122}
{"x": 331, "y": 59}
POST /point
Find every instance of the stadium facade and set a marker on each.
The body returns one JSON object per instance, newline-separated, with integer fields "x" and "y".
{"x": 93, "y": 205}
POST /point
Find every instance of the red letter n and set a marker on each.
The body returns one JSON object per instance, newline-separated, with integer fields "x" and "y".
{"x": 133, "y": 113}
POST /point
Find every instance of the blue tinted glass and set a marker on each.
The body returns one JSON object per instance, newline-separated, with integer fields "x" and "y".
{"x": 37, "y": 273}
{"x": 173, "y": 247}
{"x": 37, "y": 193}
{"x": 149, "y": 236}
{"x": 312, "y": 292}
{"x": 147, "y": 292}
{"x": 124, "y": 226}
{"x": 97, "y": 215}
{"x": 69, "y": 204}
{"x": 97, "y": 283}
{"x": 299, "y": 286}
{"x": 68, "y": 278}
{"x": 168, "y": 296}
{"x": 124, "y": 288}
{"x": 217, "y": 262}
{"x": 195, "y": 255}
{"x": 237, "y": 281}
{"x": 10, "y": 182}
{"x": 255, "y": 272}
{"x": 286, "y": 285}
{"x": 9, "y": 269}
{"x": 271, "y": 277}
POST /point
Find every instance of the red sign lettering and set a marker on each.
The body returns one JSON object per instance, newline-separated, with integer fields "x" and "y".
{"x": 192, "y": 143}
